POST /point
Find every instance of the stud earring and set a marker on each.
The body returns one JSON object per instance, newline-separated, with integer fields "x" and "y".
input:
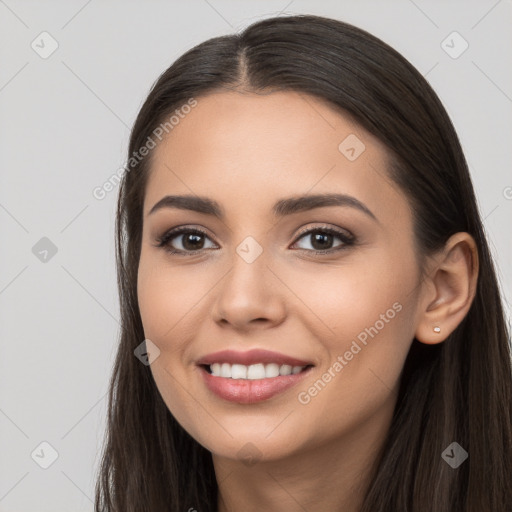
{"x": 437, "y": 329}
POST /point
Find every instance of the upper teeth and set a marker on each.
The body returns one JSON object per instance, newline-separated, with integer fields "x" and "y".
{"x": 254, "y": 371}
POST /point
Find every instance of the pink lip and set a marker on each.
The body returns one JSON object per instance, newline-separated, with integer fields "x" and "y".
{"x": 251, "y": 357}
{"x": 250, "y": 391}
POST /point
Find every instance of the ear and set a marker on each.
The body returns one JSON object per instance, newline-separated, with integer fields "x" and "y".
{"x": 448, "y": 290}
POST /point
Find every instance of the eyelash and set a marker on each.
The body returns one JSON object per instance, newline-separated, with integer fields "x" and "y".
{"x": 348, "y": 240}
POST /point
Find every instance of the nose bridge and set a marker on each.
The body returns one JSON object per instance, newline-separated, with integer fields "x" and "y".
{"x": 248, "y": 277}
{"x": 246, "y": 292}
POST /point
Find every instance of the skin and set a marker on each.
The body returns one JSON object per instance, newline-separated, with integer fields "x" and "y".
{"x": 246, "y": 151}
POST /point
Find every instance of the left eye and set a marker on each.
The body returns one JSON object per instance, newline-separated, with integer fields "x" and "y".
{"x": 322, "y": 239}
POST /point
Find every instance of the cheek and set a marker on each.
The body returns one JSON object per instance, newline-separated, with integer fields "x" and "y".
{"x": 365, "y": 316}
{"x": 166, "y": 296}
{"x": 343, "y": 299}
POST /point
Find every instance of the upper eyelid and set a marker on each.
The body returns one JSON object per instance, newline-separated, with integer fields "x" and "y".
{"x": 326, "y": 227}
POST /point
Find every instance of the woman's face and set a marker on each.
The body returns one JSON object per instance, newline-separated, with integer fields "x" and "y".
{"x": 343, "y": 302}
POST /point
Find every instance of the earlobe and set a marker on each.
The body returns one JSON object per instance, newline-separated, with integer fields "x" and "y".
{"x": 450, "y": 291}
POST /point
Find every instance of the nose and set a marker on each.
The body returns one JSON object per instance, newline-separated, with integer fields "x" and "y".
{"x": 249, "y": 296}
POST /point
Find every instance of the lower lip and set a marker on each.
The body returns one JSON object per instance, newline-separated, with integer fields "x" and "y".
{"x": 244, "y": 391}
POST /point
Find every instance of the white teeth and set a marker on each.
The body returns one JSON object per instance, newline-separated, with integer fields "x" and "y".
{"x": 238, "y": 371}
{"x": 225, "y": 370}
{"x": 286, "y": 369}
{"x": 271, "y": 370}
{"x": 254, "y": 371}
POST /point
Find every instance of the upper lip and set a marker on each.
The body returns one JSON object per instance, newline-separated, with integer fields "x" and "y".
{"x": 249, "y": 357}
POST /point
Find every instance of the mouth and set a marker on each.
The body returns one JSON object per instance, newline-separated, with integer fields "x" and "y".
{"x": 256, "y": 371}
{"x": 251, "y": 384}
{"x": 251, "y": 376}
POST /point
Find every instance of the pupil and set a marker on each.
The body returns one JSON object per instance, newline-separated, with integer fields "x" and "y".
{"x": 318, "y": 237}
{"x": 195, "y": 245}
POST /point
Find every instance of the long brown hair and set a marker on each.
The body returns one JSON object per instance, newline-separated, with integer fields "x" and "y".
{"x": 457, "y": 391}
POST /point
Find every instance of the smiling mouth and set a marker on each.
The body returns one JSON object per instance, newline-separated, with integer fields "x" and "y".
{"x": 254, "y": 371}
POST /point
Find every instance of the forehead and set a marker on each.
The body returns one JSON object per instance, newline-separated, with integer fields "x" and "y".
{"x": 246, "y": 149}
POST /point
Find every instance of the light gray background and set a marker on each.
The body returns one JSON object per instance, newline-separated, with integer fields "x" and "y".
{"x": 65, "y": 124}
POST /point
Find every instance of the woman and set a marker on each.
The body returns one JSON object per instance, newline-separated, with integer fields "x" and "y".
{"x": 307, "y": 287}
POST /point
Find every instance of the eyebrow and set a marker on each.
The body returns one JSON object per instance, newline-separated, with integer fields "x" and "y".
{"x": 281, "y": 208}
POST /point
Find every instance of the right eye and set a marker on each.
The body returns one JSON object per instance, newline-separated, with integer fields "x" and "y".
{"x": 191, "y": 240}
